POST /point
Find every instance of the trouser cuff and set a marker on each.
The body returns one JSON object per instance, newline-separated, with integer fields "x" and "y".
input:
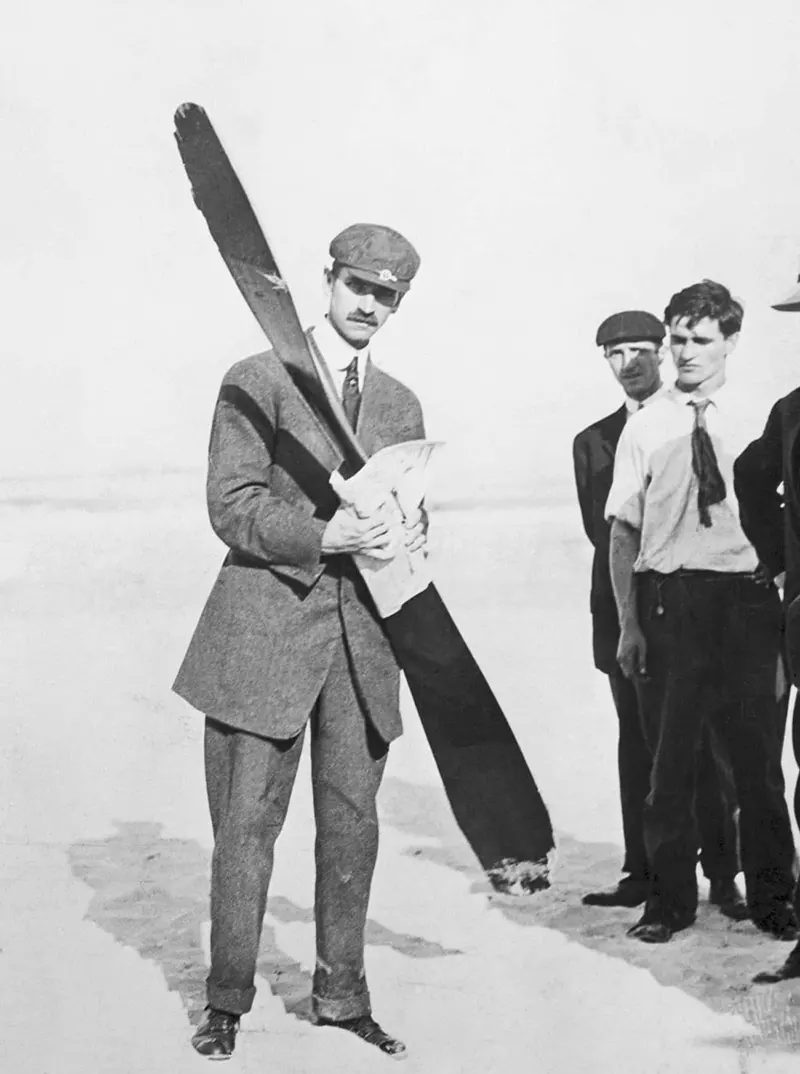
{"x": 338, "y": 1008}
{"x": 232, "y": 1000}
{"x": 720, "y": 870}
{"x": 767, "y": 887}
{"x": 636, "y": 870}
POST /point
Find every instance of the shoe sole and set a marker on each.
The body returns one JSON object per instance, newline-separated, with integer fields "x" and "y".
{"x": 215, "y": 1058}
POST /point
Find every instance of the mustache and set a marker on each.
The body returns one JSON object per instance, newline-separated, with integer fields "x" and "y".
{"x": 363, "y": 318}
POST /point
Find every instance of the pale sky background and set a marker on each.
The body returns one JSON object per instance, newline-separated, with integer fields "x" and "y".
{"x": 553, "y": 162}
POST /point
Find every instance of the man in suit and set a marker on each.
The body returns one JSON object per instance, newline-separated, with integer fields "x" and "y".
{"x": 632, "y": 342}
{"x": 767, "y": 484}
{"x": 290, "y": 637}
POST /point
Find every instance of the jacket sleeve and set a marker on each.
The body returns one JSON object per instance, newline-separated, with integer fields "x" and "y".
{"x": 244, "y": 511}
{"x": 420, "y": 421}
{"x": 583, "y": 483}
{"x": 415, "y": 428}
{"x": 757, "y": 475}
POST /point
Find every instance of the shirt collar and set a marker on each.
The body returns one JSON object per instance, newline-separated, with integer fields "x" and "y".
{"x": 717, "y": 397}
{"x": 338, "y": 353}
{"x": 632, "y": 405}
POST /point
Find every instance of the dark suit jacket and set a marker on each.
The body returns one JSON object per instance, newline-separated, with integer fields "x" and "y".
{"x": 771, "y": 518}
{"x": 264, "y": 643}
{"x": 593, "y": 453}
{"x": 767, "y": 483}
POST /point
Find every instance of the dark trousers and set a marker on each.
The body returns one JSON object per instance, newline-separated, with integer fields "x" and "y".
{"x": 712, "y": 648}
{"x": 249, "y": 781}
{"x": 796, "y": 797}
{"x": 715, "y": 801}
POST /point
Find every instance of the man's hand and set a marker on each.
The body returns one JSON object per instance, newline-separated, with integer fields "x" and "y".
{"x": 632, "y": 651}
{"x": 347, "y": 533}
{"x": 416, "y": 525}
{"x": 762, "y": 575}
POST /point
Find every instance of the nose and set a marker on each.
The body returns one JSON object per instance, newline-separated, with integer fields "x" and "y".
{"x": 367, "y": 303}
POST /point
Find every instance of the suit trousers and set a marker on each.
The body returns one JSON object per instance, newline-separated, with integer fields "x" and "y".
{"x": 712, "y": 648}
{"x": 249, "y": 782}
{"x": 715, "y": 802}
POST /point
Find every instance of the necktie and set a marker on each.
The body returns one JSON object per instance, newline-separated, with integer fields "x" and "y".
{"x": 351, "y": 396}
{"x": 711, "y": 484}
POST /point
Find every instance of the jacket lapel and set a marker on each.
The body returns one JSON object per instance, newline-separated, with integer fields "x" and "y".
{"x": 611, "y": 430}
{"x": 374, "y": 403}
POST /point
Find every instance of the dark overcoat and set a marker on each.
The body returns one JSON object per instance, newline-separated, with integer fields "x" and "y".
{"x": 593, "y": 452}
{"x": 264, "y": 643}
{"x": 767, "y": 485}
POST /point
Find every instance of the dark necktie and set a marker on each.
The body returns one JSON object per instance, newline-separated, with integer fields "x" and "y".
{"x": 351, "y": 396}
{"x": 711, "y": 484}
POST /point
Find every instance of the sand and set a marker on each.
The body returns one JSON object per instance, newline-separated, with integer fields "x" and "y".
{"x": 106, "y": 840}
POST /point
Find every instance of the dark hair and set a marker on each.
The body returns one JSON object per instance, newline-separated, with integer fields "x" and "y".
{"x": 706, "y": 299}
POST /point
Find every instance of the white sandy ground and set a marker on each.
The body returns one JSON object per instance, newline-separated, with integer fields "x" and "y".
{"x": 104, "y": 859}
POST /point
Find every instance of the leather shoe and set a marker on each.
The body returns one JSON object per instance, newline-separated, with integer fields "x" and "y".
{"x": 630, "y": 891}
{"x": 790, "y": 969}
{"x": 215, "y": 1037}
{"x": 779, "y": 921}
{"x": 368, "y": 1030}
{"x": 725, "y": 894}
{"x": 654, "y": 926}
{"x": 651, "y": 932}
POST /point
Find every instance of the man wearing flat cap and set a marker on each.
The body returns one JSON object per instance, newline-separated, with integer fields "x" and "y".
{"x": 290, "y": 638}
{"x": 632, "y": 345}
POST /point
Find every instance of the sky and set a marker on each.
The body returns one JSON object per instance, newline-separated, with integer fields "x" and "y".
{"x": 553, "y": 162}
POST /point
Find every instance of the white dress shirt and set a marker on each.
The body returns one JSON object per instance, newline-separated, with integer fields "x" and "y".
{"x": 655, "y": 488}
{"x": 338, "y": 355}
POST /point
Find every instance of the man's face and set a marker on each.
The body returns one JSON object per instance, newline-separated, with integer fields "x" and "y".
{"x": 358, "y": 308}
{"x": 637, "y": 366}
{"x": 699, "y": 352}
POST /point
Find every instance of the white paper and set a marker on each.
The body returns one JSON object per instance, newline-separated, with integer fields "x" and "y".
{"x": 392, "y": 482}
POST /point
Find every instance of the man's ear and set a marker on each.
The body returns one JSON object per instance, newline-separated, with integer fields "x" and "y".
{"x": 327, "y": 281}
{"x": 730, "y": 343}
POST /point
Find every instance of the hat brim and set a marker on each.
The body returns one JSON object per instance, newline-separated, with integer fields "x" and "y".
{"x": 400, "y": 286}
{"x": 632, "y": 337}
{"x": 790, "y": 304}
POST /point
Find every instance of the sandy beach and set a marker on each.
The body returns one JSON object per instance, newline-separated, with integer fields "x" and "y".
{"x": 106, "y": 841}
{"x": 544, "y": 186}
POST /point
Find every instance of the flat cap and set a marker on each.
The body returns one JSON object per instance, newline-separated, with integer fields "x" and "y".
{"x": 790, "y": 304}
{"x": 630, "y": 324}
{"x": 377, "y": 254}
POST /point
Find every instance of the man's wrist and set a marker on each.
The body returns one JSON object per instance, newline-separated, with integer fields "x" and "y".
{"x": 629, "y": 620}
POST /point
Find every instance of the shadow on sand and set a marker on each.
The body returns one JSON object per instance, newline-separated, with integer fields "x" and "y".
{"x": 714, "y": 961}
{"x": 151, "y": 893}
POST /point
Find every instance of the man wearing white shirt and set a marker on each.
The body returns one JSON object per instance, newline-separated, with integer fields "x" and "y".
{"x": 699, "y": 624}
{"x": 632, "y": 346}
{"x": 339, "y": 354}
